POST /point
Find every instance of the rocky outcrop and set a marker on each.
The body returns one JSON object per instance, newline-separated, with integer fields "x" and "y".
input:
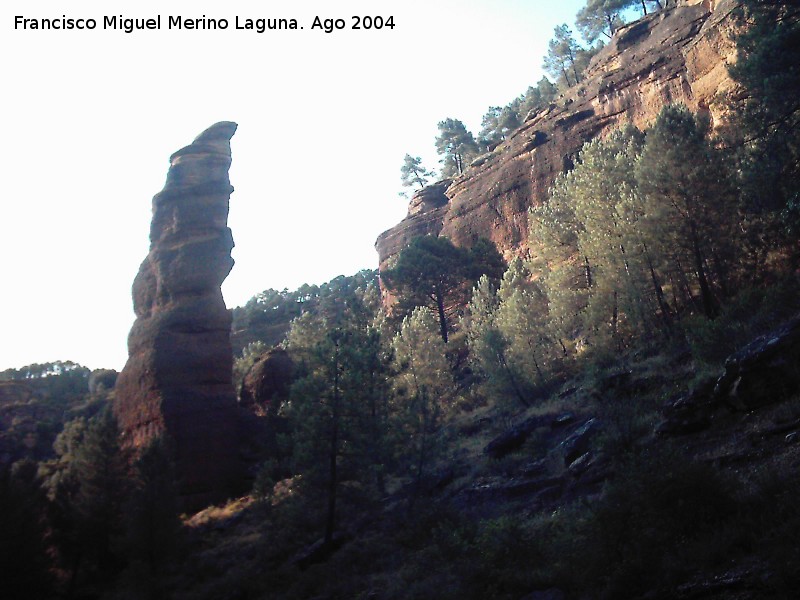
{"x": 426, "y": 213}
{"x": 765, "y": 371}
{"x": 102, "y": 380}
{"x": 178, "y": 377}
{"x": 266, "y": 385}
{"x": 675, "y": 55}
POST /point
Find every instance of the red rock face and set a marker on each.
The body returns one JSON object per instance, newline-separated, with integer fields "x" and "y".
{"x": 266, "y": 385}
{"x": 178, "y": 378}
{"x": 676, "y": 55}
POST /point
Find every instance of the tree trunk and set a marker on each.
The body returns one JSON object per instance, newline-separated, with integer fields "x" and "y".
{"x": 333, "y": 452}
{"x": 442, "y": 315}
{"x": 689, "y": 298}
{"x": 709, "y": 306}
{"x": 610, "y": 22}
{"x": 377, "y": 451}
{"x": 588, "y": 270}
{"x": 422, "y": 433}
{"x": 721, "y": 272}
{"x": 504, "y": 363}
{"x": 666, "y": 313}
{"x": 615, "y": 320}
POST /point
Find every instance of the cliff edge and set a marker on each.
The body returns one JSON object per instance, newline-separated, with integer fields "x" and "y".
{"x": 676, "y": 55}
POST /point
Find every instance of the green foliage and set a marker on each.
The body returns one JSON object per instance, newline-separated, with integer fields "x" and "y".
{"x": 267, "y": 315}
{"x": 87, "y": 485}
{"x": 765, "y": 116}
{"x": 601, "y": 17}
{"x": 566, "y": 273}
{"x": 65, "y": 382}
{"x": 535, "y": 98}
{"x": 690, "y": 211}
{"x": 561, "y": 61}
{"x": 602, "y": 193}
{"x": 652, "y": 525}
{"x": 242, "y": 364}
{"x": 457, "y": 147}
{"x": 423, "y": 389}
{"x": 24, "y": 561}
{"x": 509, "y": 337}
{"x": 642, "y": 226}
{"x": 152, "y": 525}
{"x": 337, "y": 407}
{"x": 752, "y": 312}
{"x": 497, "y": 124}
{"x": 413, "y": 172}
{"x": 433, "y": 272}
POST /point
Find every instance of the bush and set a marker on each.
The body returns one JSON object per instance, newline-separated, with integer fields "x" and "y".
{"x": 751, "y": 313}
{"x": 654, "y": 525}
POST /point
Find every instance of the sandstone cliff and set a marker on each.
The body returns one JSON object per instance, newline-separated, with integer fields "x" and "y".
{"x": 178, "y": 378}
{"x": 674, "y": 55}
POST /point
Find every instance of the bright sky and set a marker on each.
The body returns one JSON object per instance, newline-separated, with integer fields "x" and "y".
{"x": 91, "y": 118}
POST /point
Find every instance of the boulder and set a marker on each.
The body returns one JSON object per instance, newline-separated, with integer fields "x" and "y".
{"x": 514, "y": 438}
{"x": 765, "y": 371}
{"x": 511, "y": 440}
{"x": 690, "y": 413}
{"x": 102, "y": 380}
{"x": 579, "y": 441}
{"x": 266, "y": 385}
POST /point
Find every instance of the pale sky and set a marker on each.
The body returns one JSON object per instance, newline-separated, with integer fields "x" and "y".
{"x": 91, "y": 118}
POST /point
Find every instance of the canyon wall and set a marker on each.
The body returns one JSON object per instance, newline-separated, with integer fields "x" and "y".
{"x": 676, "y": 55}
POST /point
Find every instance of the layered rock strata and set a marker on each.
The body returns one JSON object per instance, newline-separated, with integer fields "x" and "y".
{"x": 178, "y": 377}
{"x": 676, "y": 55}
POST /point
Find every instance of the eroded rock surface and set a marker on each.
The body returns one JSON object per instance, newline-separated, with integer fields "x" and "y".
{"x": 266, "y": 385}
{"x": 178, "y": 378}
{"x": 674, "y": 55}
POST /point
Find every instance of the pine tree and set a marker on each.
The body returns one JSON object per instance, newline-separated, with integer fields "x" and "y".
{"x": 414, "y": 173}
{"x": 765, "y": 114}
{"x": 456, "y": 145}
{"x": 101, "y": 472}
{"x": 600, "y": 188}
{"x": 690, "y": 208}
{"x": 423, "y": 384}
{"x": 87, "y": 484}
{"x": 522, "y": 318}
{"x": 562, "y": 54}
{"x": 151, "y": 515}
{"x": 338, "y": 406}
{"x": 24, "y": 561}
{"x": 497, "y": 124}
{"x": 601, "y": 17}
{"x": 488, "y": 348}
{"x": 507, "y": 333}
{"x": 433, "y": 272}
{"x": 566, "y": 273}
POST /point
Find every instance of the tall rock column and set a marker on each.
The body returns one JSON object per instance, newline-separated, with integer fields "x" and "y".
{"x": 178, "y": 378}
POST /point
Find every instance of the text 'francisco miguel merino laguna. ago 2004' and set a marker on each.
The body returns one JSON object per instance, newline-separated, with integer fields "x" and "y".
{"x": 204, "y": 23}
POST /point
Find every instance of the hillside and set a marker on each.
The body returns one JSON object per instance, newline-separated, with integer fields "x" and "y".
{"x": 611, "y": 412}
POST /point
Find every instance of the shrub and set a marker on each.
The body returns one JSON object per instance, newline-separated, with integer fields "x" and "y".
{"x": 751, "y": 313}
